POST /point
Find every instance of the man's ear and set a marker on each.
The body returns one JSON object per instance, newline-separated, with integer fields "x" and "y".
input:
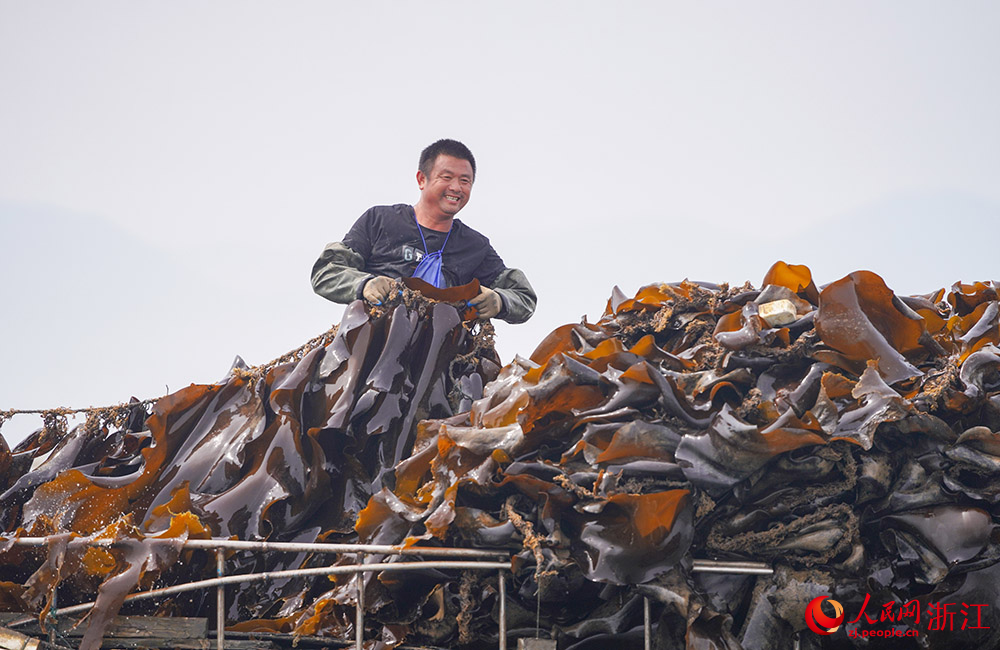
{"x": 421, "y": 179}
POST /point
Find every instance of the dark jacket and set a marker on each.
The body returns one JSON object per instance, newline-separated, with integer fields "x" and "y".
{"x": 386, "y": 241}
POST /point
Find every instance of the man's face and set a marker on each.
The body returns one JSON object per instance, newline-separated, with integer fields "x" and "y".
{"x": 448, "y": 186}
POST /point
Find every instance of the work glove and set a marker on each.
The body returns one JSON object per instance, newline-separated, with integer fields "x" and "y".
{"x": 377, "y": 289}
{"x": 487, "y": 304}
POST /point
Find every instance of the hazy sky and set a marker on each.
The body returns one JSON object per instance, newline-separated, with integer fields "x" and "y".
{"x": 169, "y": 171}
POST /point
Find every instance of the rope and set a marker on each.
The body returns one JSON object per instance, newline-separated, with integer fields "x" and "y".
{"x": 54, "y": 420}
{"x": 722, "y": 536}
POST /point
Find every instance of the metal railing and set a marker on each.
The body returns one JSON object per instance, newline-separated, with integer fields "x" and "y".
{"x": 468, "y": 561}
{"x": 220, "y": 546}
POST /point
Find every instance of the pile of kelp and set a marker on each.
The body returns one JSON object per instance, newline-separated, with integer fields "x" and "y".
{"x": 847, "y": 437}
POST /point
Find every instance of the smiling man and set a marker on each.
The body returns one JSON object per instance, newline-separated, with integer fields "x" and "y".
{"x": 425, "y": 240}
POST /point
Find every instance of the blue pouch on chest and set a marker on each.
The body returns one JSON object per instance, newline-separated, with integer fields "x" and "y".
{"x": 430, "y": 267}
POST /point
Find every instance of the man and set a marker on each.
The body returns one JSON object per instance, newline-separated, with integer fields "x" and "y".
{"x": 426, "y": 239}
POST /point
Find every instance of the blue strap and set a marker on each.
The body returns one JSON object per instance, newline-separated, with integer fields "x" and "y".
{"x": 424, "y": 241}
{"x": 421, "y": 231}
{"x": 429, "y": 268}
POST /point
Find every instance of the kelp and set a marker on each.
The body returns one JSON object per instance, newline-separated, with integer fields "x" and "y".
{"x": 854, "y": 447}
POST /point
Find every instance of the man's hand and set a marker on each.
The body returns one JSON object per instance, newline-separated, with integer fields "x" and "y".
{"x": 487, "y": 304}
{"x": 377, "y": 289}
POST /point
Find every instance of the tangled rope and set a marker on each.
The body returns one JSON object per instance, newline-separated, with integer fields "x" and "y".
{"x": 55, "y": 420}
{"x": 835, "y": 516}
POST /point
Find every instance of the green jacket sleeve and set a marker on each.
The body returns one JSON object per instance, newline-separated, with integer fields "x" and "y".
{"x": 518, "y": 297}
{"x": 338, "y": 274}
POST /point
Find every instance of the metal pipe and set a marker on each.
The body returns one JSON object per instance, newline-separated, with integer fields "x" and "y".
{"x": 291, "y": 547}
{"x": 698, "y": 566}
{"x": 359, "y": 614}
{"x": 741, "y": 568}
{"x": 291, "y": 573}
{"x": 11, "y": 640}
{"x": 220, "y": 600}
{"x": 503, "y": 610}
{"x": 729, "y": 563}
{"x": 53, "y": 623}
{"x": 647, "y": 625}
{"x": 738, "y": 571}
{"x": 295, "y": 547}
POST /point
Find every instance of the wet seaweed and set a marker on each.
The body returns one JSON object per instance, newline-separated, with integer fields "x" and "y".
{"x": 853, "y": 446}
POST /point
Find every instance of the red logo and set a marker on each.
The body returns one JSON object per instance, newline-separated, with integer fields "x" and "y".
{"x": 817, "y": 620}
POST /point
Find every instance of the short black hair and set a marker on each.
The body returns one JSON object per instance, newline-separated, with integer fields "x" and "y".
{"x": 447, "y": 147}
